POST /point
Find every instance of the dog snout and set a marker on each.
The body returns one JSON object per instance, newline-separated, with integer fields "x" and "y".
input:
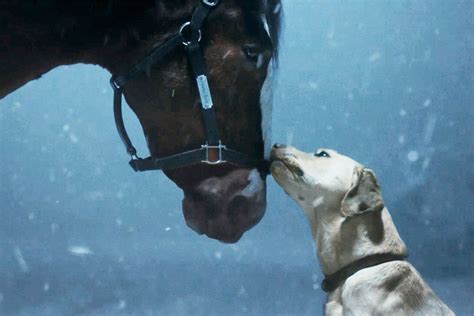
{"x": 279, "y": 146}
{"x": 282, "y": 152}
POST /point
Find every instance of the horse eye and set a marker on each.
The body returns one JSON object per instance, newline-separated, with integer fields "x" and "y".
{"x": 251, "y": 51}
{"x": 322, "y": 153}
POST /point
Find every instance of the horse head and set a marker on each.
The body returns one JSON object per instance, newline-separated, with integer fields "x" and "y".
{"x": 222, "y": 200}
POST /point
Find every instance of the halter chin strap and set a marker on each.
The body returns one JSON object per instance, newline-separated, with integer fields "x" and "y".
{"x": 213, "y": 151}
{"x": 332, "y": 281}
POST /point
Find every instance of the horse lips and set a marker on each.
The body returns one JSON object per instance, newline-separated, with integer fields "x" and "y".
{"x": 225, "y": 207}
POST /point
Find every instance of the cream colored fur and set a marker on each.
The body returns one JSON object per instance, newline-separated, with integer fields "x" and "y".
{"x": 349, "y": 221}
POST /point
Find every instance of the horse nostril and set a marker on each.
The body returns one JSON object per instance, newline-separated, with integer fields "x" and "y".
{"x": 279, "y": 146}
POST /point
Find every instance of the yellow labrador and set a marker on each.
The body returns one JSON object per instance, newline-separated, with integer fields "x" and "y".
{"x": 358, "y": 247}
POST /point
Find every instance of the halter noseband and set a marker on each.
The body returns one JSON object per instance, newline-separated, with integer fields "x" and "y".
{"x": 213, "y": 152}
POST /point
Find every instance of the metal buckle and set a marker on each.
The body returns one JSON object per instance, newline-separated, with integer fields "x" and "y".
{"x": 219, "y": 147}
{"x": 211, "y": 3}
{"x": 114, "y": 84}
{"x": 181, "y": 30}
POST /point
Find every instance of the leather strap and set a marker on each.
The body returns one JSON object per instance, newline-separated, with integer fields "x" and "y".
{"x": 190, "y": 158}
{"x": 161, "y": 51}
{"x": 209, "y": 116}
{"x": 158, "y": 54}
{"x": 201, "y": 13}
{"x": 119, "y": 122}
{"x": 332, "y": 282}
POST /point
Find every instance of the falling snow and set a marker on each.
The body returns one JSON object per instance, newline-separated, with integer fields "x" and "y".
{"x": 429, "y": 129}
{"x": 313, "y": 85}
{"x": 122, "y": 305}
{"x": 73, "y": 138}
{"x": 83, "y": 234}
{"x": 401, "y": 139}
{"x": 375, "y": 56}
{"x": 80, "y": 251}
{"x": 21, "y": 260}
{"x": 413, "y": 156}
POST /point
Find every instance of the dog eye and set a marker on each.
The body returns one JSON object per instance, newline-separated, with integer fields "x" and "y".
{"x": 322, "y": 153}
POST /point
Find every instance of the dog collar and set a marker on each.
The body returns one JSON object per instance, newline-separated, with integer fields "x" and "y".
{"x": 332, "y": 281}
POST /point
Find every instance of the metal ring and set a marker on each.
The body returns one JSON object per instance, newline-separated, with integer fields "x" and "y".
{"x": 181, "y": 29}
{"x": 211, "y": 3}
{"x": 114, "y": 84}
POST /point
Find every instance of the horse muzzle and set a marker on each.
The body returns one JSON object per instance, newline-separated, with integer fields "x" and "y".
{"x": 223, "y": 208}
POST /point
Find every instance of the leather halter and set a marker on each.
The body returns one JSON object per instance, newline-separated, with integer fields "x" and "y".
{"x": 213, "y": 152}
{"x": 332, "y": 282}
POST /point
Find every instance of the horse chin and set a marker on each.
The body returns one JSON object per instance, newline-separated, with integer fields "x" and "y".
{"x": 224, "y": 207}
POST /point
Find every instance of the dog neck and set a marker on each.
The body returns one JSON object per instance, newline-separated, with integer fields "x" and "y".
{"x": 333, "y": 281}
{"x": 341, "y": 241}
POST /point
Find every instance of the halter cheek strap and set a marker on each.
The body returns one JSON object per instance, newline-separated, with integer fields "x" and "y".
{"x": 213, "y": 151}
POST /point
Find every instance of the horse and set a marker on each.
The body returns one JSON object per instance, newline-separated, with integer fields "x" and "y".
{"x": 236, "y": 42}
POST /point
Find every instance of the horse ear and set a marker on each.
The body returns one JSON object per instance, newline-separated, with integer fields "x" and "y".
{"x": 364, "y": 194}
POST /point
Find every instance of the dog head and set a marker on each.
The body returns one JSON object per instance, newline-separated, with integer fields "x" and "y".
{"x": 326, "y": 179}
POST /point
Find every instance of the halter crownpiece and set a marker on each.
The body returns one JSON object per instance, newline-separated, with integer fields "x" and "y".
{"x": 212, "y": 152}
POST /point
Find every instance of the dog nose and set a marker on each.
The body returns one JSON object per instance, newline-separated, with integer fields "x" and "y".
{"x": 279, "y": 146}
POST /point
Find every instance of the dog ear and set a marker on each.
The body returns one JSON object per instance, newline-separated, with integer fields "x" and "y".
{"x": 364, "y": 194}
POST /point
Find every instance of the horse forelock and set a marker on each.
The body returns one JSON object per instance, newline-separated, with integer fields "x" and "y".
{"x": 270, "y": 13}
{"x": 274, "y": 17}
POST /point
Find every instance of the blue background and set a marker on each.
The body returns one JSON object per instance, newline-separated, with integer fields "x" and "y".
{"x": 389, "y": 83}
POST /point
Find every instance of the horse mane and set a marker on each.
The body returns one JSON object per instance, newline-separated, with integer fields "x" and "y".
{"x": 273, "y": 12}
{"x": 82, "y": 22}
{"x": 77, "y": 30}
